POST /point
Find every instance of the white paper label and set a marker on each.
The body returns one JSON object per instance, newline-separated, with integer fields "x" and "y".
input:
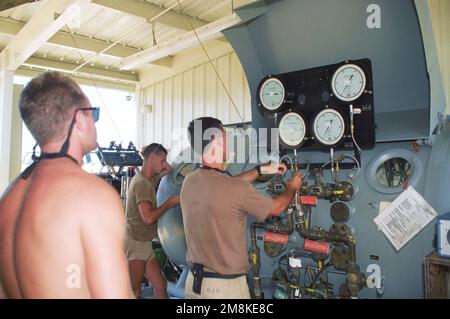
{"x": 295, "y": 262}
{"x": 383, "y": 205}
{"x": 405, "y": 217}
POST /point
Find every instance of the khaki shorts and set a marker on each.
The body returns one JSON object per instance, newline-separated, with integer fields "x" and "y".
{"x": 214, "y": 288}
{"x": 138, "y": 250}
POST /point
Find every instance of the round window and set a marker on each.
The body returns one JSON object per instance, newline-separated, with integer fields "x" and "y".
{"x": 390, "y": 171}
{"x": 394, "y": 172}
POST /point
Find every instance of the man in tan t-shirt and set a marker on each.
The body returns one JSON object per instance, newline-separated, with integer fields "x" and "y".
{"x": 142, "y": 215}
{"x": 215, "y": 208}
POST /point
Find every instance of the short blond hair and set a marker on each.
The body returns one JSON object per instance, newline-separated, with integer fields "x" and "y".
{"x": 46, "y": 106}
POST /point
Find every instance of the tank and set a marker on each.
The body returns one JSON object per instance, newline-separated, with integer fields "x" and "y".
{"x": 412, "y": 132}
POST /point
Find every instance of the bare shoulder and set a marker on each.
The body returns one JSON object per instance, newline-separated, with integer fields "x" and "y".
{"x": 93, "y": 183}
{"x": 16, "y": 186}
{"x": 102, "y": 214}
{"x": 88, "y": 193}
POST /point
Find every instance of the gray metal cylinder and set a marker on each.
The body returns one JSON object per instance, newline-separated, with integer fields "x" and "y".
{"x": 170, "y": 225}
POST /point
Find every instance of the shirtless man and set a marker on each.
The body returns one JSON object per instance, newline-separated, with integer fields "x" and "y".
{"x": 61, "y": 229}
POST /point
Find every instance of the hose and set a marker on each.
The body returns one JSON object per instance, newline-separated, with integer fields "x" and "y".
{"x": 285, "y": 229}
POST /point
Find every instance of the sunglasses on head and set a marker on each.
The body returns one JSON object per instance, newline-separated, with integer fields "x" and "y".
{"x": 95, "y": 112}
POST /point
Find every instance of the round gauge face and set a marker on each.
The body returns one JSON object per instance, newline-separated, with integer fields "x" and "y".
{"x": 328, "y": 127}
{"x": 339, "y": 212}
{"x": 271, "y": 94}
{"x": 348, "y": 82}
{"x": 292, "y": 129}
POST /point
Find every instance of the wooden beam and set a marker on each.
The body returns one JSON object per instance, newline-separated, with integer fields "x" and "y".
{"x": 71, "y": 41}
{"x": 82, "y": 79}
{"x": 166, "y": 62}
{"x": 186, "y": 40}
{"x": 184, "y": 61}
{"x": 222, "y": 39}
{"x": 5, "y": 5}
{"x": 41, "y": 26}
{"x": 78, "y": 42}
{"x": 63, "y": 66}
{"x": 148, "y": 11}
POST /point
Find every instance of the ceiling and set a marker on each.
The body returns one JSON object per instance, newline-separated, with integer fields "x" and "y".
{"x": 107, "y": 31}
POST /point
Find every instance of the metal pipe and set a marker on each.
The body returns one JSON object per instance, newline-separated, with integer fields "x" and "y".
{"x": 176, "y": 290}
{"x": 255, "y": 261}
{"x": 297, "y": 195}
{"x": 286, "y": 229}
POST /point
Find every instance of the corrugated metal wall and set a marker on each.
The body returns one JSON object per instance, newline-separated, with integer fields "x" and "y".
{"x": 440, "y": 15}
{"x": 175, "y": 101}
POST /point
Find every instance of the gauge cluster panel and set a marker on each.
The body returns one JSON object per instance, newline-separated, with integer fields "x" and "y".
{"x": 312, "y": 107}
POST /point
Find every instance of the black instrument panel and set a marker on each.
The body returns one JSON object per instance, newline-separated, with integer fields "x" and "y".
{"x": 311, "y": 91}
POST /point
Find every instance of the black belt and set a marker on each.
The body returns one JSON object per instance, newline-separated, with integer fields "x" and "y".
{"x": 199, "y": 274}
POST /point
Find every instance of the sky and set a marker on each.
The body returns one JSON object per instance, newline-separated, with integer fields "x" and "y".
{"x": 116, "y": 123}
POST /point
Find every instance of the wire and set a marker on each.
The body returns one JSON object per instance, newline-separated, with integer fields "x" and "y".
{"x": 356, "y": 144}
{"x": 397, "y": 171}
{"x": 105, "y": 49}
{"x": 153, "y": 34}
{"x": 308, "y": 164}
{"x": 286, "y": 156}
{"x": 358, "y": 165}
{"x": 93, "y": 82}
{"x": 212, "y": 64}
{"x": 313, "y": 282}
{"x": 411, "y": 165}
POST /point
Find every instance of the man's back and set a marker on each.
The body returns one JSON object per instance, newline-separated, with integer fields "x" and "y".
{"x": 64, "y": 236}
{"x": 215, "y": 211}
{"x": 9, "y": 207}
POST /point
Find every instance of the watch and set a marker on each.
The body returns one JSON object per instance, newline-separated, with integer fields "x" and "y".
{"x": 258, "y": 169}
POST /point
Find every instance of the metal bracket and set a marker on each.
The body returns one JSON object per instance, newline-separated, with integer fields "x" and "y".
{"x": 427, "y": 141}
{"x": 441, "y": 124}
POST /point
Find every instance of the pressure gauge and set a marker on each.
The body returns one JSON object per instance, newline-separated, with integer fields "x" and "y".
{"x": 348, "y": 82}
{"x": 340, "y": 212}
{"x": 292, "y": 129}
{"x": 328, "y": 126}
{"x": 271, "y": 94}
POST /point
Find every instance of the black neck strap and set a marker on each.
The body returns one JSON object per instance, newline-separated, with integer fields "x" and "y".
{"x": 61, "y": 154}
{"x": 209, "y": 168}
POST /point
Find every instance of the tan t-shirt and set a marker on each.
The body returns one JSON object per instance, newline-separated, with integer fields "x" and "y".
{"x": 140, "y": 189}
{"x": 215, "y": 210}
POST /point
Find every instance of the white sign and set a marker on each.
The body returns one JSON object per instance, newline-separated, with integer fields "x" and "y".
{"x": 408, "y": 214}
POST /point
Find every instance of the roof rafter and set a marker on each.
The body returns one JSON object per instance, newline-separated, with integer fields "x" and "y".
{"x": 38, "y": 30}
{"x": 64, "y": 66}
{"x": 186, "y": 40}
{"x": 149, "y": 11}
{"x": 78, "y": 42}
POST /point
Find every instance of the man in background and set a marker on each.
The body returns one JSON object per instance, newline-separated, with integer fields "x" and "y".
{"x": 142, "y": 214}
